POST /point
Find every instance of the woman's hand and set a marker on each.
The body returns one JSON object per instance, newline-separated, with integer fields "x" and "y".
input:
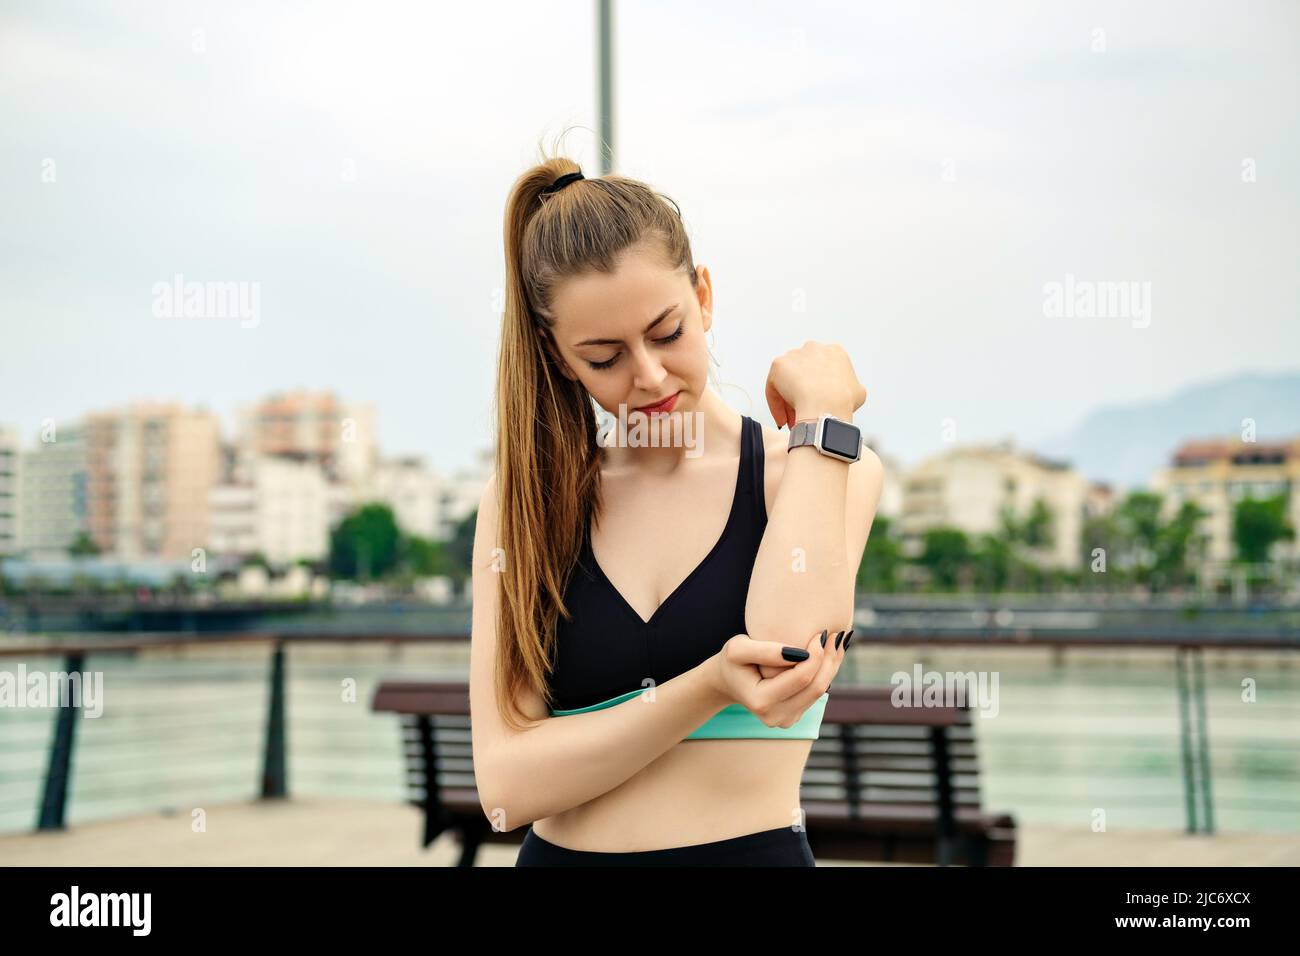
{"x": 779, "y": 700}
{"x": 815, "y": 379}
{"x": 829, "y": 644}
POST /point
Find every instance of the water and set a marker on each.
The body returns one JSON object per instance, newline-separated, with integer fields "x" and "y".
{"x": 184, "y": 730}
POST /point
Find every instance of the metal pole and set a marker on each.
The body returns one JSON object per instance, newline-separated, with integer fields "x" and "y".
{"x": 1203, "y": 741}
{"x": 1184, "y": 726}
{"x": 54, "y": 798}
{"x": 605, "y": 83}
{"x": 273, "y": 758}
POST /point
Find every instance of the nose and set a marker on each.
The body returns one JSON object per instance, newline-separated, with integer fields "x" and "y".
{"x": 648, "y": 373}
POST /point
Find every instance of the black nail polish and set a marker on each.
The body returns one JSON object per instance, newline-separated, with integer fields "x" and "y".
{"x": 794, "y": 654}
{"x": 823, "y": 638}
{"x": 847, "y": 637}
{"x": 838, "y": 637}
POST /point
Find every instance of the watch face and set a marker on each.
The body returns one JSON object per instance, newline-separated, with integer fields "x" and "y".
{"x": 841, "y": 438}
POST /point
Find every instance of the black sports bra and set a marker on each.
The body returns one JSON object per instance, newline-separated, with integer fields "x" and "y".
{"x": 607, "y": 654}
{"x": 607, "y": 649}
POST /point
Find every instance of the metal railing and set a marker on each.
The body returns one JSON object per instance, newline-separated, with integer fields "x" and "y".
{"x": 1193, "y": 738}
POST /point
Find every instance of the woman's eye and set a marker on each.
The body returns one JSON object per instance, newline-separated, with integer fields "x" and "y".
{"x": 681, "y": 329}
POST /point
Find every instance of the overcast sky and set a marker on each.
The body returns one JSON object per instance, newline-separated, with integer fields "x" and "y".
{"x": 914, "y": 174}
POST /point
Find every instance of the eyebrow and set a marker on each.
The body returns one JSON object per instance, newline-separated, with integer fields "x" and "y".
{"x": 662, "y": 315}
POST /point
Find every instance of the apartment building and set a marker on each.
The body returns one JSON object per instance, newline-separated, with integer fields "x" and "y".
{"x": 54, "y": 495}
{"x": 273, "y": 505}
{"x": 340, "y": 436}
{"x": 10, "y": 489}
{"x": 150, "y": 470}
{"x": 1215, "y": 474}
{"x": 968, "y": 486}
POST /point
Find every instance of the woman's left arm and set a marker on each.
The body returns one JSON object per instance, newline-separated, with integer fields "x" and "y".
{"x": 806, "y": 567}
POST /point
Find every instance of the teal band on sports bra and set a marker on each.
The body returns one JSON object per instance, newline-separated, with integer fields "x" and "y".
{"x": 733, "y": 722}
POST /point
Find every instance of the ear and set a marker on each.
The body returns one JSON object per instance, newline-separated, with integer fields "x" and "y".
{"x": 704, "y": 292}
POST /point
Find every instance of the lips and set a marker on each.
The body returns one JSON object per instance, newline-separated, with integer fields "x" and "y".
{"x": 664, "y": 406}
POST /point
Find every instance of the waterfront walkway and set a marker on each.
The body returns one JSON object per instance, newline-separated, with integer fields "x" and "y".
{"x": 306, "y": 831}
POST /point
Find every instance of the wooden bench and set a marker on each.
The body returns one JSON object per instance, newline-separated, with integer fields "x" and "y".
{"x": 899, "y": 784}
{"x": 881, "y": 784}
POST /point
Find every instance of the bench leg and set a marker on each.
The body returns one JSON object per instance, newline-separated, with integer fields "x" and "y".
{"x": 944, "y": 851}
{"x": 470, "y": 840}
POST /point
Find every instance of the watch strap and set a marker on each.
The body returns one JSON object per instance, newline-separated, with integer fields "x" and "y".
{"x": 803, "y": 433}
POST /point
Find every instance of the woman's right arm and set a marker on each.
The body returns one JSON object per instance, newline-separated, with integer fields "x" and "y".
{"x": 558, "y": 763}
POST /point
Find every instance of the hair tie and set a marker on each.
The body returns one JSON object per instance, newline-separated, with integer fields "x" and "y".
{"x": 562, "y": 182}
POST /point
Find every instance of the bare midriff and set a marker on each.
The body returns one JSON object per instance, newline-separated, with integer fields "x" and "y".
{"x": 700, "y": 791}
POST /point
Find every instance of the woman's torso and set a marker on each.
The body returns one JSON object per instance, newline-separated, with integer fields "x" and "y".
{"x": 669, "y": 566}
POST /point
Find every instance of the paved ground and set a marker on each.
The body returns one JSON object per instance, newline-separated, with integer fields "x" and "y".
{"x": 334, "y": 832}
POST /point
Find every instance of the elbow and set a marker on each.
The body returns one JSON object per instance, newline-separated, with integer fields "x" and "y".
{"x": 504, "y": 814}
{"x": 504, "y": 804}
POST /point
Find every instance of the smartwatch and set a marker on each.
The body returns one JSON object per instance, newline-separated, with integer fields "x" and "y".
{"x": 830, "y": 436}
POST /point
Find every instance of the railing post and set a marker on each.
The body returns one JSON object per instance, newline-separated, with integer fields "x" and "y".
{"x": 1203, "y": 728}
{"x": 1185, "y": 735}
{"x": 274, "y": 783}
{"x": 54, "y": 798}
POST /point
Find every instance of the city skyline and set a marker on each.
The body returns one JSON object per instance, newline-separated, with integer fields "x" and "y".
{"x": 230, "y": 430}
{"x": 907, "y": 183}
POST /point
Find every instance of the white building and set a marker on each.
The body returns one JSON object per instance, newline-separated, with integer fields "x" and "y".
{"x": 10, "y": 489}
{"x": 54, "y": 481}
{"x": 461, "y": 493}
{"x": 413, "y": 491}
{"x": 273, "y": 505}
{"x": 968, "y": 486}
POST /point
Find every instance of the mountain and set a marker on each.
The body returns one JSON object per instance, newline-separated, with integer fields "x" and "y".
{"x": 1126, "y": 444}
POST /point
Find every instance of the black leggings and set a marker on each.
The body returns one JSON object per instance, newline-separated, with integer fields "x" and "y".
{"x": 784, "y": 846}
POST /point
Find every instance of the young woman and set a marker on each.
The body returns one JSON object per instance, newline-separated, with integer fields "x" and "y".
{"x": 655, "y": 625}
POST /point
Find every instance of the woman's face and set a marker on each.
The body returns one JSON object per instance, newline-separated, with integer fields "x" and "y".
{"x": 635, "y": 336}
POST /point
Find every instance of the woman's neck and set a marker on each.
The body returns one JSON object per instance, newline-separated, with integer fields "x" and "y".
{"x": 711, "y": 428}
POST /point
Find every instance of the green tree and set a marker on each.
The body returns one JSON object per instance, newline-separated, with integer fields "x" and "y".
{"x": 1258, "y": 524}
{"x": 459, "y": 549}
{"x": 84, "y": 545}
{"x": 365, "y": 544}
{"x": 1102, "y": 532}
{"x": 883, "y": 556}
{"x": 945, "y": 553}
{"x": 1138, "y": 519}
{"x": 994, "y": 558}
{"x": 1037, "y": 529}
{"x": 424, "y": 557}
{"x": 1177, "y": 543}
{"x": 1005, "y": 559}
